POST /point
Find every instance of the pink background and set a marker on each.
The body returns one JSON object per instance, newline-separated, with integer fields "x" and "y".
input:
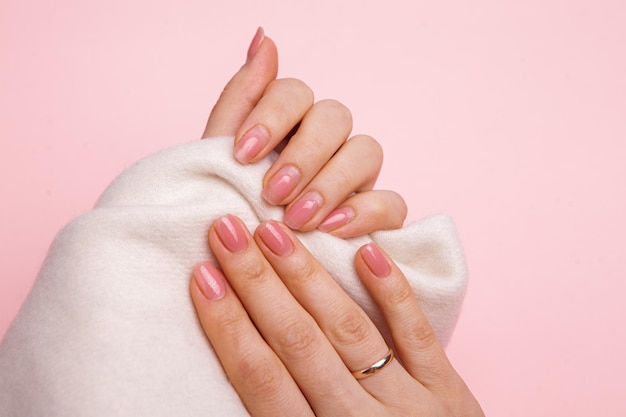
{"x": 509, "y": 116}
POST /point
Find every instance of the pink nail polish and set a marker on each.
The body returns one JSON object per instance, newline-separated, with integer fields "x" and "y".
{"x": 256, "y": 43}
{"x": 281, "y": 184}
{"x": 251, "y": 144}
{"x": 276, "y": 238}
{"x": 210, "y": 281}
{"x": 336, "y": 219}
{"x": 302, "y": 211}
{"x": 375, "y": 260}
{"x": 231, "y": 233}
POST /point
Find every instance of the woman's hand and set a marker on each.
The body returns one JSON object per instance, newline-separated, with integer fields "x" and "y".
{"x": 324, "y": 180}
{"x": 291, "y": 340}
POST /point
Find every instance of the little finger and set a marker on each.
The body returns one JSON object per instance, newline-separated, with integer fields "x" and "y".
{"x": 414, "y": 339}
{"x": 364, "y": 213}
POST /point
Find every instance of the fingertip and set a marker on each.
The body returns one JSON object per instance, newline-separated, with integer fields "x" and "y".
{"x": 264, "y": 58}
{"x": 281, "y": 184}
{"x": 375, "y": 260}
{"x": 337, "y": 219}
{"x": 209, "y": 281}
{"x": 247, "y": 148}
{"x": 299, "y": 214}
{"x": 257, "y": 40}
{"x": 244, "y": 90}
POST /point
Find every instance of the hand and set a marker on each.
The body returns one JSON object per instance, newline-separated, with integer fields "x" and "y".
{"x": 288, "y": 337}
{"x": 320, "y": 175}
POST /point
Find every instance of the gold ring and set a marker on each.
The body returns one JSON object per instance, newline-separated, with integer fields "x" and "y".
{"x": 375, "y": 368}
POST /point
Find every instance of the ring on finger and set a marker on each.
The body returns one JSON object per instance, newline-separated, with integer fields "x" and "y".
{"x": 374, "y": 368}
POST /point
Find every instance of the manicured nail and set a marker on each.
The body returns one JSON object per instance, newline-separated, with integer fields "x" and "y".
{"x": 231, "y": 234}
{"x": 281, "y": 184}
{"x": 375, "y": 260}
{"x": 336, "y": 219}
{"x": 256, "y": 43}
{"x": 302, "y": 211}
{"x": 251, "y": 144}
{"x": 276, "y": 238}
{"x": 210, "y": 281}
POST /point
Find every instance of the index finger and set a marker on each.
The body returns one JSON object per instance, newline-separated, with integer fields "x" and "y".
{"x": 245, "y": 89}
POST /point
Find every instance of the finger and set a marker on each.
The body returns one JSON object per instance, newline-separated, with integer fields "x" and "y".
{"x": 354, "y": 167}
{"x": 259, "y": 377}
{"x": 323, "y": 130}
{"x": 352, "y": 334}
{"x": 364, "y": 213}
{"x": 283, "y": 105}
{"x": 414, "y": 339}
{"x": 245, "y": 89}
{"x": 284, "y": 324}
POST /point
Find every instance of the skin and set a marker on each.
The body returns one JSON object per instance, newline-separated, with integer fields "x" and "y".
{"x": 272, "y": 310}
{"x": 327, "y": 159}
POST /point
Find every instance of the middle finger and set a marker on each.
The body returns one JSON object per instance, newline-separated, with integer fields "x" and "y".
{"x": 283, "y": 323}
{"x": 324, "y": 128}
{"x": 352, "y": 334}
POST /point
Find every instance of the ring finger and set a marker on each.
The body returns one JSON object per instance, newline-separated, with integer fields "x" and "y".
{"x": 346, "y": 326}
{"x": 353, "y": 168}
{"x": 291, "y": 332}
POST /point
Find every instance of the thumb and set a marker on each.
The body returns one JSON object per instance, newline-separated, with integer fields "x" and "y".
{"x": 245, "y": 89}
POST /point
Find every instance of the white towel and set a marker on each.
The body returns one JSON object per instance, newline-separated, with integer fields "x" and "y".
{"x": 109, "y": 328}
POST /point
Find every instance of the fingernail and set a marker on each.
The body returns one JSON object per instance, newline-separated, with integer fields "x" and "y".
{"x": 281, "y": 184}
{"x": 276, "y": 238}
{"x": 336, "y": 219}
{"x": 302, "y": 211}
{"x": 251, "y": 144}
{"x": 231, "y": 234}
{"x": 375, "y": 260}
{"x": 256, "y": 43}
{"x": 210, "y": 281}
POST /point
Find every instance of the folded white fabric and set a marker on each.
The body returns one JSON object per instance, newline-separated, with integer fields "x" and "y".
{"x": 109, "y": 329}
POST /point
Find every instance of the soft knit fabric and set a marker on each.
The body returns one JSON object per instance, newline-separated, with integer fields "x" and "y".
{"x": 109, "y": 328}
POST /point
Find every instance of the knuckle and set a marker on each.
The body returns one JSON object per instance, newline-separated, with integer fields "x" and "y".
{"x": 233, "y": 89}
{"x": 351, "y": 328}
{"x": 337, "y": 109}
{"x": 260, "y": 376}
{"x": 252, "y": 269}
{"x": 370, "y": 150}
{"x": 378, "y": 209}
{"x": 401, "y": 295}
{"x": 401, "y": 212}
{"x": 285, "y": 100}
{"x": 295, "y": 86}
{"x": 419, "y": 335}
{"x": 307, "y": 271}
{"x": 231, "y": 321}
{"x": 389, "y": 207}
{"x": 371, "y": 145}
{"x": 344, "y": 179}
{"x": 313, "y": 144}
{"x": 297, "y": 340}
